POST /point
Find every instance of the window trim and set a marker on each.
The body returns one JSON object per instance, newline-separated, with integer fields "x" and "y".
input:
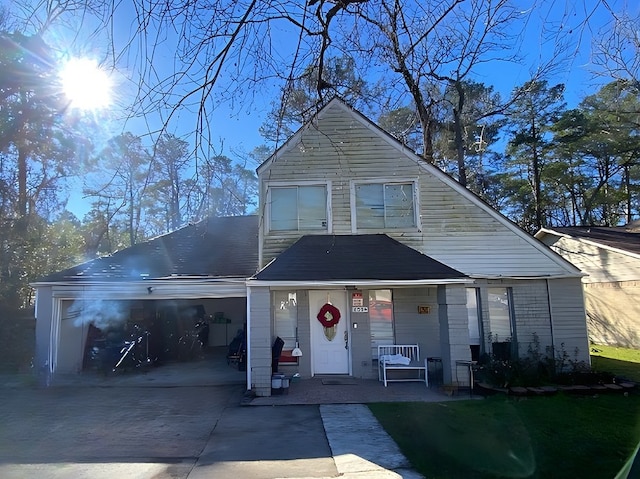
{"x": 385, "y": 181}
{"x": 288, "y": 184}
{"x": 513, "y": 339}
{"x": 289, "y": 340}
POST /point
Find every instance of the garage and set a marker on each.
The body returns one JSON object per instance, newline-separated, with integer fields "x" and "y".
{"x": 176, "y": 302}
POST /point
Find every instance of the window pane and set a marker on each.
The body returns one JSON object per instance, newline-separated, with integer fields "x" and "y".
{"x": 399, "y": 205}
{"x": 286, "y": 317}
{"x": 369, "y": 206}
{"x": 499, "y": 316}
{"x": 380, "y": 319}
{"x": 472, "y": 314}
{"x": 312, "y": 207}
{"x": 284, "y": 209}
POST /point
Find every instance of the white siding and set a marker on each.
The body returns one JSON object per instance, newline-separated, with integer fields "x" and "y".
{"x": 569, "y": 318}
{"x": 260, "y": 340}
{"x": 531, "y": 310}
{"x": 413, "y": 328}
{"x": 603, "y": 265}
{"x": 456, "y": 230}
{"x": 613, "y": 313}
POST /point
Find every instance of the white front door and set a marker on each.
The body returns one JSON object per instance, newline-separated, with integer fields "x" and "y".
{"x": 330, "y": 352}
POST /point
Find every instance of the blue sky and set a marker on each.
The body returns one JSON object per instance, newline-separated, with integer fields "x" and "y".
{"x": 235, "y": 124}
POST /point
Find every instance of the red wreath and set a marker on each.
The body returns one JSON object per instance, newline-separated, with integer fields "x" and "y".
{"x": 331, "y": 311}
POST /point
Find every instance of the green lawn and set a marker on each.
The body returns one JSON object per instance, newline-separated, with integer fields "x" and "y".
{"x": 540, "y": 437}
{"x": 620, "y": 361}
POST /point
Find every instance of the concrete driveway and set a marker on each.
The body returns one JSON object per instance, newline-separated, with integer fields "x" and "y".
{"x": 154, "y": 433}
{"x": 185, "y": 432}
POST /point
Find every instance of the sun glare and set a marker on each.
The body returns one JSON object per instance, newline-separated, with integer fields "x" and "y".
{"x": 85, "y": 84}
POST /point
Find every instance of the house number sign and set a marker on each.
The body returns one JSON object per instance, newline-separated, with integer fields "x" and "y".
{"x": 356, "y": 299}
{"x": 360, "y": 309}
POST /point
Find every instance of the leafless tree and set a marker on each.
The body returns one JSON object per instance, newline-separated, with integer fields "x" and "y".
{"x": 616, "y": 50}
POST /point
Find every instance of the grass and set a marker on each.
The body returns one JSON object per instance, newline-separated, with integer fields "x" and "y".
{"x": 539, "y": 437}
{"x": 620, "y": 361}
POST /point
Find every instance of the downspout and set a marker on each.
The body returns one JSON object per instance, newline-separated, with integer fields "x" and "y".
{"x": 248, "y": 338}
{"x": 553, "y": 346}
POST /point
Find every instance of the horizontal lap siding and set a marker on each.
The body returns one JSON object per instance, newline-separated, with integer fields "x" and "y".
{"x": 352, "y": 152}
{"x": 454, "y": 230}
{"x": 568, "y": 316}
{"x": 613, "y": 310}
{"x": 260, "y": 340}
{"x": 413, "y": 328}
{"x": 601, "y": 264}
{"x": 469, "y": 239}
{"x": 531, "y": 309}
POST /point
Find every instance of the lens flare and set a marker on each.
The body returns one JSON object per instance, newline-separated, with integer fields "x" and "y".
{"x": 85, "y": 84}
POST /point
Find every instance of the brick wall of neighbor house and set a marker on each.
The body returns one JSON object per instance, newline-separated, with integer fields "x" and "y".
{"x": 454, "y": 331}
{"x": 260, "y": 340}
{"x": 613, "y": 313}
{"x": 568, "y": 317}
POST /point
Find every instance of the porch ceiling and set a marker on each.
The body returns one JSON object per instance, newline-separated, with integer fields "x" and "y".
{"x": 354, "y": 257}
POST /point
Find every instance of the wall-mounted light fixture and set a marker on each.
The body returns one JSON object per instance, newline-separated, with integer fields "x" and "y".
{"x": 149, "y": 289}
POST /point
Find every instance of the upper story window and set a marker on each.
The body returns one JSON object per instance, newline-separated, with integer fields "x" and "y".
{"x": 385, "y": 205}
{"x": 302, "y": 207}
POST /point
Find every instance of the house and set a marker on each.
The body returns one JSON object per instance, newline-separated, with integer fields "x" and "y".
{"x": 611, "y": 259}
{"x": 358, "y": 243}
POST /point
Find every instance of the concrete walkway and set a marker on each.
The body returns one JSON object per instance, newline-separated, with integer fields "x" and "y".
{"x": 360, "y": 447}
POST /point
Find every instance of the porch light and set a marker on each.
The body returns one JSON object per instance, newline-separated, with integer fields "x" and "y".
{"x": 297, "y": 352}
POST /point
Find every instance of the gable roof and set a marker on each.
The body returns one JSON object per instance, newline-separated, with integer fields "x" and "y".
{"x": 620, "y": 238}
{"x": 560, "y": 266}
{"x": 212, "y": 248}
{"x": 352, "y": 258}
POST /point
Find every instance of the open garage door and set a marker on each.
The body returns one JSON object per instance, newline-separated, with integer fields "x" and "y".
{"x": 129, "y": 337}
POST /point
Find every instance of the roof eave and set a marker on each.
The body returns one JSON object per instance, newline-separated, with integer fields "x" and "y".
{"x": 357, "y": 283}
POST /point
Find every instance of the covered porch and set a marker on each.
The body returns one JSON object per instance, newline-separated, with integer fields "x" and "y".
{"x": 337, "y": 298}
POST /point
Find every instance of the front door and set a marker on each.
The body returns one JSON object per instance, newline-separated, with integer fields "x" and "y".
{"x": 330, "y": 346}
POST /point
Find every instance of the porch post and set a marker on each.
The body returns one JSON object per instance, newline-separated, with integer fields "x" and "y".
{"x": 454, "y": 331}
{"x": 259, "y": 340}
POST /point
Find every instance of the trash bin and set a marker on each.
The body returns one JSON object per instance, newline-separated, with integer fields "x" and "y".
{"x": 276, "y": 383}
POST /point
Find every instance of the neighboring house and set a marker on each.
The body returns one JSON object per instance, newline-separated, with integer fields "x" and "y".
{"x": 611, "y": 259}
{"x": 356, "y": 231}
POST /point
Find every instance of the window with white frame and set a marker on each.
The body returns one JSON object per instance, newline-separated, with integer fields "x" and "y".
{"x": 501, "y": 322}
{"x": 285, "y": 317}
{"x": 385, "y": 205}
{"x": 380, "y": 319}
{"x": 301, "y": 207}
{"x": 475, "y": 322}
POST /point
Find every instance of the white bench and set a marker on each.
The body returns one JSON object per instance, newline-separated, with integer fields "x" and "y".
{"x": 401, "y": 357}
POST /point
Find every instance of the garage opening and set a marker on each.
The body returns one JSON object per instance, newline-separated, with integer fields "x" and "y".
{"x": 111, "y": 337}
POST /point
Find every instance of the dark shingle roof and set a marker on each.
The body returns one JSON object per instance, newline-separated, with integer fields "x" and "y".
{"x": 614, "y": 237}
{"x": 216, "y": 247}
{"x": 353, "y": 257}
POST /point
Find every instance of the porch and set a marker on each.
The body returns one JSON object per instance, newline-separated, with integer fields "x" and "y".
{"x": 349, "y": 390}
